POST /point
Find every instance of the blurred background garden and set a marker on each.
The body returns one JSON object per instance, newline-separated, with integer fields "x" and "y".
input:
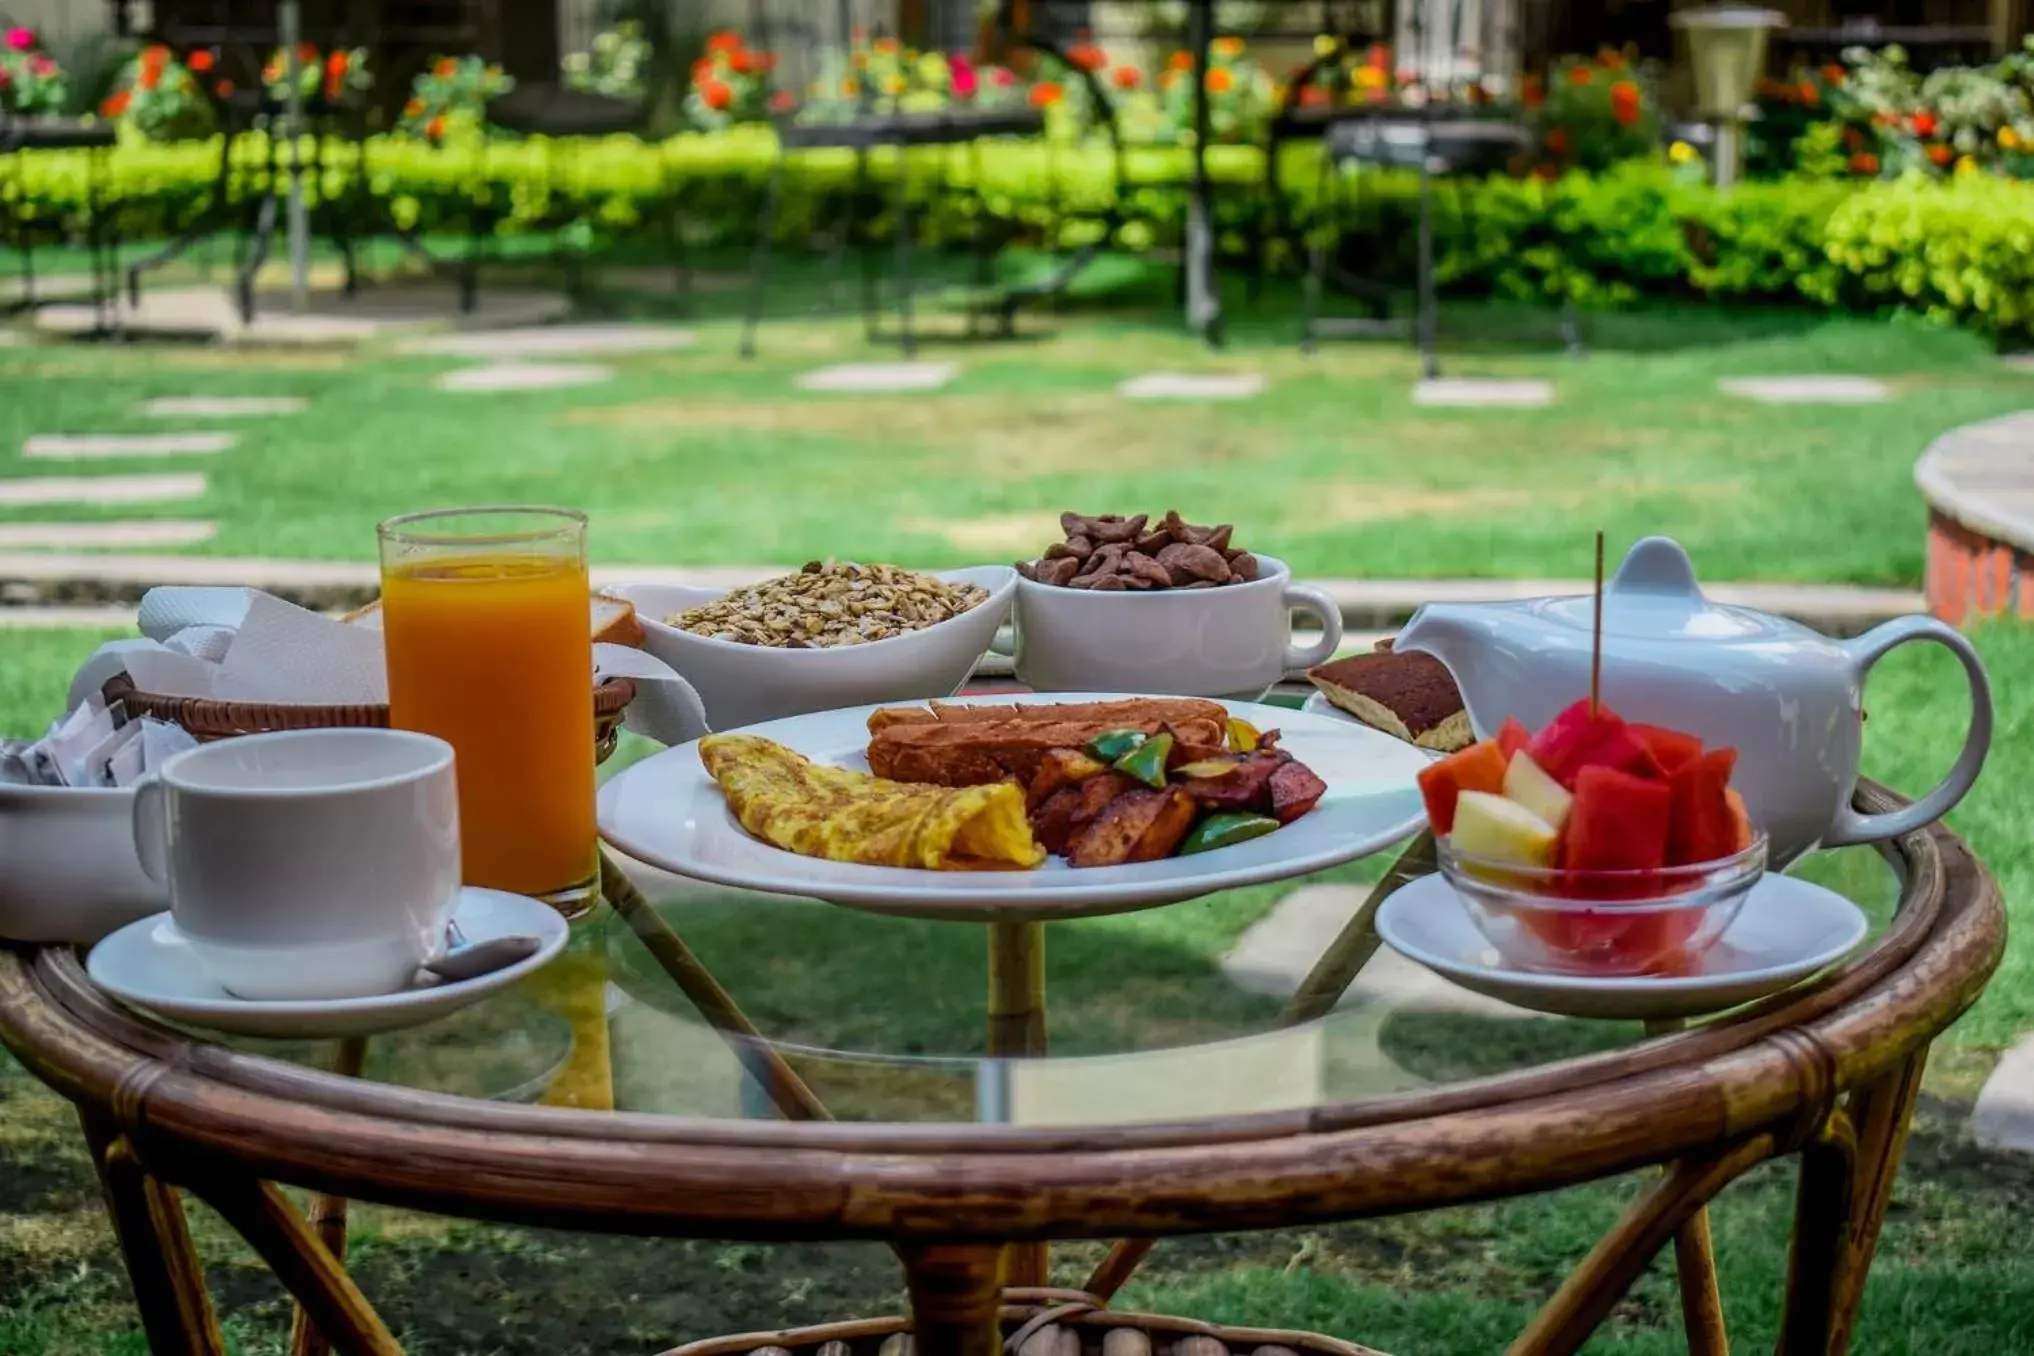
{"x": 1417, "y": 293}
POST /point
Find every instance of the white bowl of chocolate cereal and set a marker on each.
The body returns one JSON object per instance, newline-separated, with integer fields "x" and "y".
{"x": 831, "y": 634}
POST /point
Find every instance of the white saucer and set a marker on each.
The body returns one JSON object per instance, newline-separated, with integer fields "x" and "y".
{"x": 1787, "y": 930}
{"x": 149, "y": 965}
{"x": 668, "y": 812}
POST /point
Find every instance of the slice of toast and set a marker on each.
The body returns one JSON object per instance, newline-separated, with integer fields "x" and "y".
{"x": 613, "y": 621}
{"x": 1411, "y": 696}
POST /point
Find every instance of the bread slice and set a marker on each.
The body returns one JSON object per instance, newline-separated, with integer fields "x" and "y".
{"x": 613, "y": 620}
{"x": 1411, "y": 696}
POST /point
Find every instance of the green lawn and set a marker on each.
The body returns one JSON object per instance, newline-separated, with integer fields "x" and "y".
{"x": 700, "y": 457}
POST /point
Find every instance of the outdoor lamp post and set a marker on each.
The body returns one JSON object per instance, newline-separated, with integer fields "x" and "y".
{"x": 1727, "y": 44}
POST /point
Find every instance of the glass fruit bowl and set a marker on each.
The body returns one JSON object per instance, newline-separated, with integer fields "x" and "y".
{"x": 1607, "y": 924}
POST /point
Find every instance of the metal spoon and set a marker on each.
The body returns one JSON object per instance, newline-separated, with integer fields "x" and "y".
{"x": 465, "y": 960}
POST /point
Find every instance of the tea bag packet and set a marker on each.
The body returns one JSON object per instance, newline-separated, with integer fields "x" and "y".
{"x": 160, "y": 741}
{"x": 58, "y": 759}
{"x": 14, "y": 765}
{"x": 97, "y": 767}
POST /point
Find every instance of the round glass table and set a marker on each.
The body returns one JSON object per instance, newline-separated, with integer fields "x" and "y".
{"x": 711, "y": 1063}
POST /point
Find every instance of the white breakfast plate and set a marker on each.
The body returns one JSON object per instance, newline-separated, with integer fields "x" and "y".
{"x": 668, "y": 812}
{"x": 1787, "y": 930}
{"x": 149, "y": 965}
{"x": 1317, "y": 704}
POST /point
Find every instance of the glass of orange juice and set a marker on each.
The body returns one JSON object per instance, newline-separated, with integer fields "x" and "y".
{"x": 489, "y": 648}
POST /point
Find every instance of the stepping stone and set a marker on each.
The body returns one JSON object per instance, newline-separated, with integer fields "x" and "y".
{"x": 1276, "y": 953}
{"x": 524, "y": 377}
{"x": 95, "y": 446}
{"x": 874, "y": 377}
{"x": 70, "y": 618}
{"x": 1483, "y": 393}
{"x": 1192, "y": 386}
{"x": 12, "y": 339}
{"x": 1811, "y": 390}
{"x": 2003, "y": 1118}
{"x": 148, "y": 532}
{"x": 2018, "y": 362}
{"x": 555, "y": 341}
{"x": 148, "y": 489}
{"x": 223, "y": 407}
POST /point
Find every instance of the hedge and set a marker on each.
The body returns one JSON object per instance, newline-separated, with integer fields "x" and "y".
{"x": 1960, "y": 250}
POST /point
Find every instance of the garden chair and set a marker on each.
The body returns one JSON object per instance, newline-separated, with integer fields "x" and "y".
{"x": 101, "y": 225}
{"x": 812, "y": 44}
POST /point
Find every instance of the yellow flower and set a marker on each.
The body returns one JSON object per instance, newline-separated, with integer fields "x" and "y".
{"x": 1367, "y": 76}
{"x": 1326, "y": 45}
{"x": 1967, "y": 164}
{"x": 2008, "y": 138}
{"x": 893, "y": 85}
{"x": 1227, "y": 47}
{"x": 1681, "y": 153}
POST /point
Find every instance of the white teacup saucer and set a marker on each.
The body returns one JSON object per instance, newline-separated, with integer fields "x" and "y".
{"x": 1787, "y": 930}
{"x": 149, "y": 965}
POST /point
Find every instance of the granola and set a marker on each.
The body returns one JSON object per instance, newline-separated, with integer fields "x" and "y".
{"x": 830, "y": 604}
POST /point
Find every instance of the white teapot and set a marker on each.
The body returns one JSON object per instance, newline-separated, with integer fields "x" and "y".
{"x": 1788, "y": 699}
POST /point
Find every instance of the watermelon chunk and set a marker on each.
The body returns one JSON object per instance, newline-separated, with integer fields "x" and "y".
{"x": 1618, "y": 822}
{"x": 1669, "y": 748}
{"x": 1512, "y": 738}
{"x": 1580, "y": 737}
{"x": 1702, "y": 826}
{"x": 1480, "y": 767}
{"x": 1616, "y": 941}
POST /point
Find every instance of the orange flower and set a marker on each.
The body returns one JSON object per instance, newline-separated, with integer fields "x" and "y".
{"x": 702, "y": 69}
{"x": 1180, "y": 61}
{"x": 1811, "y": 93}
{"x": 1925, "y": 124}
{"x": 1624, "y": 103}
{"x": 1939, "y": 154}
{"x": 850, "y": 87}
{"x": 724, "y": 42}
{"x": 1864, "y": 163}
{"x": 1045, "y": 94}
{"x": 887, "y": 46}
{"x": 337, "y": 63}
{"x": 446, "y": 68}
{"x": 741, "y": 62}
{"x": 1227, "y": 47}
{"x": 1314, "y": 96}
{"x": 435, "y": 128}
{"x": 199, "y": 61}
{"x": 152, "y": 58}
{"x": 224, "y": 89}
{"x": 1833, "y": 73}
{"x": 716, "y": 95}
{"x": 1220, "y": 81}
{"x": 1580, "y": 75}
{"x": 1557, "y": 140}
{"x": 116, "y": 105}
{"x": 414, "y": 109}
{"x": 151, "y": 76}
{"x": 1088, "y": 57}
{"x": 1531, "y": 92}
{"x": 1127, "y": 77}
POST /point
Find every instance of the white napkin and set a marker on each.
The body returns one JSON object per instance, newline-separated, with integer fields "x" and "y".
{"x": 166, "y": 611}
{"x": 286, "y": 653}
{"x": 667, "y": 708}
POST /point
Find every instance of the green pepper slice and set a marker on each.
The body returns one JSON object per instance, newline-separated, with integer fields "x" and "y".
{"x": 1114, "y": 744}
{"x": 1225, "y": 830}
{"x": 1146, "y": 762}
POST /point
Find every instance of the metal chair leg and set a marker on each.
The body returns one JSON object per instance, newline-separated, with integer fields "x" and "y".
{"x": 902, "y": 227}
{"x": 759, "y": 268}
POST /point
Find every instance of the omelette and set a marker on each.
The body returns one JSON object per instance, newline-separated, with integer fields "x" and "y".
{"x": 790, "y": 802}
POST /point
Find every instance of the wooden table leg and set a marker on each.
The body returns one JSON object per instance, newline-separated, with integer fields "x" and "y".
{"x": 262, "y": 1215}
{"x": 1695, "y": 1268}
{"x": 1017, "y": 1030}
{"x": 956, "y": 1298}
{"x": 328, "y": 1216}
{"x": 155, "y": 1241}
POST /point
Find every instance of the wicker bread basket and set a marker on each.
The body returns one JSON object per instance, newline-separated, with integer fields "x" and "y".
{"x": 209, "y": 720}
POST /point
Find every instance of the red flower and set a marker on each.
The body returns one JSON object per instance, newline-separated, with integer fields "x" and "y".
{"x": 446, "y": 68}
{"x": 307, "y": 52}
{"x": 1127, "y": 77}
{"x": 1180, "y": 61}
{"x": 702, "y": 69}
{"x": 116, "y": 105}
{"x": 716, "y": 95}
{"x": 435, "y": 128}
{"x": 224, "y": 89}
{"x": 1045, "y": 94}
{"x": 783, "y": 101}
{"x": 1531, "y": 92}
{"x": 1940, "y": 155}
{"x": 1580, "y": 74}
{"x": 1832, "y": 74}
{"x": 1925, "y": 124}
{"x": 1220, "y": 81}
{"x": 413, "y": 109}
{"x": 1088, "y": 57}
{"x": 1557, "y": 140}
{"x": 150, "y": 77}
{"x": 1864, "y": 162}
{"x": 337, "y": 63}
{"x": 1853, "y": 139}
{"x": 1624, "y": 103}
{"x": 199, "y": 61}
{"x": 1811, "y": 94}
{"x": 20, "y": 39}
{"x": 742, "y": 62}
{"x": 724, "y": 42}
{"x": 152, "y": 58}
{"x": 1314, "y": 96}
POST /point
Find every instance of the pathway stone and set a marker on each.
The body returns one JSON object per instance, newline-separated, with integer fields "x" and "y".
{"x": 2019, "y": 362}
{"x": 555, "y": 341}
{"x": 128, "y": 535}
{"x": 12, "y": 339}
{"x": 1483, "y": 393}
{"x": 140, "y": 489}
{"x": 1806, "y": 390}
{"x": 873, "y": 377}
{"x": 1192, "y": 386}
{"x": 1280, "y": 948}
{"x": 98, "y": 446}
{"x": 30, "y": 618}
{"x": 223, "y": 407}
{"x": 333, "y": 319}
{"x": 2004, "y": 1115}
{"x": 510, "y": 376}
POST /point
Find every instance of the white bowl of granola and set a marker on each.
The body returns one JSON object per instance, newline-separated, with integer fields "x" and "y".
{"x": 892, "y": 650}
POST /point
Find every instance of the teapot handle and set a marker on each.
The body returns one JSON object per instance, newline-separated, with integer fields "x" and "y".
{"x": 1867, "y": 650}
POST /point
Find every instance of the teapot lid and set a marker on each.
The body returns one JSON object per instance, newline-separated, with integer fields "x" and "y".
{"x": 1654, "y": 596}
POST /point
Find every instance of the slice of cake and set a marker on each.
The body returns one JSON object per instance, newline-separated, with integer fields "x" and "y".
{"x": 1412, "y": 696}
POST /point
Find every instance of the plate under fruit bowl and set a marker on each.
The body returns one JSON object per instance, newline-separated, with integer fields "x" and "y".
{"x": 668, "y": 812}
{"x": 1787, "y": 930}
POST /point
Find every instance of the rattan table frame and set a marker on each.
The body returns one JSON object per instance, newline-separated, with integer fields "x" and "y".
{"x": 1828, "y": 1072}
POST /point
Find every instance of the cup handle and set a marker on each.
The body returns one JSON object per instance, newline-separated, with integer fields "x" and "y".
{"x": 151, "y": 828}
{"x": 1306, "y": 598}
{"x": 1867, "y": 650}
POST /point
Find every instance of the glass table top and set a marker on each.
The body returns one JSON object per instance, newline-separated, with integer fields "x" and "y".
{"x": 1174, "y": 1013}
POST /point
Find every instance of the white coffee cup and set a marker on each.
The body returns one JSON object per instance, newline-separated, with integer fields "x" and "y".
{"x": 1231, "y": 641}
{"x": 315, "y": 864}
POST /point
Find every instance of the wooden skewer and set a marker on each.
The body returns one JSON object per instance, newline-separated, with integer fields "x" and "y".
{"x": 1596, "y": 637}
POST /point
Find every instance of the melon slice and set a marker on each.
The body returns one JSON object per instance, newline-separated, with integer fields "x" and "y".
{"x": 1501, "y": 830}
{"x": 1480, "y": 767}
{"x": 1525, "y": 783}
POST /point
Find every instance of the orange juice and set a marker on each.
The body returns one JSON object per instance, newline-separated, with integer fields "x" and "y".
{"x": 491, "y": 653}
